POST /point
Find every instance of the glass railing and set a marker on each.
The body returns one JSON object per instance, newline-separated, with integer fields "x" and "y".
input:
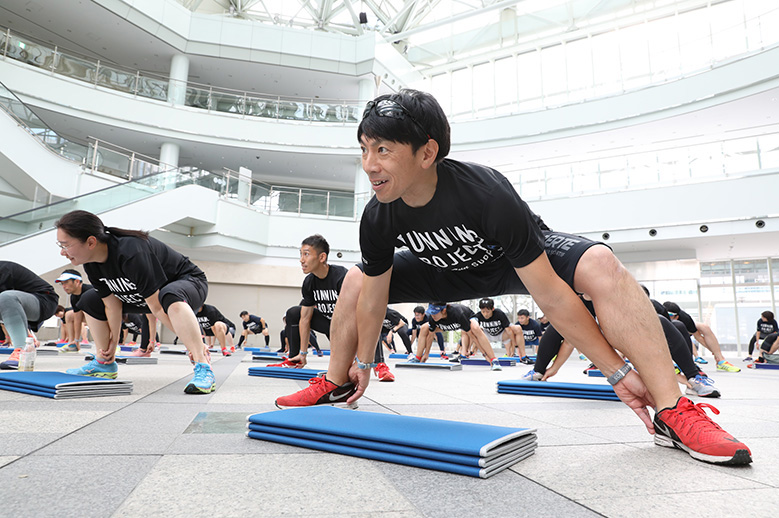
{"x": 23, "y": 224}
{"x": 150, "y": 86}
{"x": 102, "y": 157}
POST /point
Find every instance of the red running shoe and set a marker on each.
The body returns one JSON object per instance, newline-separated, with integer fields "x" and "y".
{"x": 286, "y": 363}
{"x": 320, "y": 391}
{"x": 687, "y": 427}
{"x": 226, "y": 352}
{"x": 383, "y": 372}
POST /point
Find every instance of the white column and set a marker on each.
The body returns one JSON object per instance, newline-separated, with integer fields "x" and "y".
{"x": 244, "y": 184}
{"x": 169, "y": 155}
{"x": 362, "y": 187}
{"x": 179, "y": 73}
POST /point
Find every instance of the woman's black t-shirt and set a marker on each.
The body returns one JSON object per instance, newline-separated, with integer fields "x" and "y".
{"x": 14, "y": 276}
{"x": 136, "y": 268}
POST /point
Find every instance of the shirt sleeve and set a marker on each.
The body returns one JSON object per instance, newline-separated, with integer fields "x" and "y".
{"x": 307, "y": 291}
{"x": 377, "y": 244}
{"x": 522, "y": 240}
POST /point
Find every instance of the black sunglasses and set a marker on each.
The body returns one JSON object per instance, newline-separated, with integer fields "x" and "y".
{"x": 392, "y": 109}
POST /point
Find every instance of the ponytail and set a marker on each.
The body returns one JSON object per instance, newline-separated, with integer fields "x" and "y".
{"x": 81, "y": 224}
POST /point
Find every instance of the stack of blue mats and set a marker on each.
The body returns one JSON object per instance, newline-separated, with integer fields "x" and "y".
{"x": 476, "y": 450}
{"x": 284, "y": 372}
{"x": 557, "y": 389}
{"x": 58, "y": 385}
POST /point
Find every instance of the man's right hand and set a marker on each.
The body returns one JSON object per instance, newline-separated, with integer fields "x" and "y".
{"x": 360, "y": 378}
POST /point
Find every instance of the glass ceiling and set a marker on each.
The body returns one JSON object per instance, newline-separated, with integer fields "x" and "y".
{"x": 437, "y": 34}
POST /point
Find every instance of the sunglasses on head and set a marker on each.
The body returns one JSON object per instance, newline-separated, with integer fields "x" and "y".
{"x": 391, "y": 109}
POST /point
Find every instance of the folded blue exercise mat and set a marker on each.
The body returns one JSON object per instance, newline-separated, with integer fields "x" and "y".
{"x": 265, "y": 358}
{"x": 769, "y": 366}
{"x": 465, "y": 448}
{"x": 431, "y": 365}
{"x": 129, "y": 360}
{"x": 285, "y": 372}
{"x": 557, "y": 389}
{"x": 595, "y": 373}
{"x": 257, "y": 349}
{"x": 6, "y": 350}
{"x": 59, "y": 385}
{"x": 173, "y": 351}
{"x": 505, "y": 362}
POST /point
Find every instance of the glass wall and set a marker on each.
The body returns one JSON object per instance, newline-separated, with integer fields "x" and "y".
{"x": 728, "y": 296}
{"x": 576, "y": 67}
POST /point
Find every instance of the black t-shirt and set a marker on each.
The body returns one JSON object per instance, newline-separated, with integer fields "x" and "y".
{"x": 496, "y": 324}
{"x": 136, "y": 268}
{"x": 766, "y": 328}
{"x": 254, "y": 324}
{"x": 688, "y": 322}
{"x": 391, "y": 319}
{"x": 531, "y": 331}
{"x": 134, "y": 323}
{"x": 660, "y": 309}
{"x": 209, "y": 316}
{"x": 463, "y": 226}
{"x": 457, "y": 317}
{"x": 417, "y": 325}
{"x": 75, "y": 298}
{"x": 16, "y": 277}
{"x": 323, "y": 293}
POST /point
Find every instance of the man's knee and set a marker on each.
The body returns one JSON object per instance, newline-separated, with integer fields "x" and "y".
{"x": 350, "y": 289}
{"x": 598, "y": 269}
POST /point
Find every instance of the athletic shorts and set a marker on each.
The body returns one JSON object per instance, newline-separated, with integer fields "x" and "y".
{"x": 415, "y": 281}
{"x": 496, "y": 339}
{"x": 210, "y": 331}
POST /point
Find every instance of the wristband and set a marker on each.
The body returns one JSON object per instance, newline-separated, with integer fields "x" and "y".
{"x": 302, "y": 353}
{"x": 619, "y": 374}
{"x": 365, "y": 366}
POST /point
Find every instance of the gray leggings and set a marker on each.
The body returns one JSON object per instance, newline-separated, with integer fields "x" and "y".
{"x": 16, "y": 309}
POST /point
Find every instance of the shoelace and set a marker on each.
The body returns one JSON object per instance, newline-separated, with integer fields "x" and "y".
{"x": 315, "y": 381}
{"x": 699, "y": 416}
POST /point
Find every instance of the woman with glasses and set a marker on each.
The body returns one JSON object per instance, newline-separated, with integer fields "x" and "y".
{"x": 134, "y": 273}
{"x": 26, "y": 301}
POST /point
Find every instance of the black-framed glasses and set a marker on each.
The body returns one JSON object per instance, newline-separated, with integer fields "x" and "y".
{"x": 392, "y": 109}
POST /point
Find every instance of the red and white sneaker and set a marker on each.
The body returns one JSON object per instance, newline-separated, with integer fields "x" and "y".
{"x": 232, "y": 350}
{"x": 383, "y": 372}
{"x": 687, "y": 427}
{"x": 287, "y": 363}
{"x": 226, "y": 352}
{"x": 320, "y": 391}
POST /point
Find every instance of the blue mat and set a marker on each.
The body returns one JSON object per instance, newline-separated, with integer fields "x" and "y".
{"x": 59, "y": 385}
{"x": 505, "y": 362}
{"x": 403, "y": 356}
{"x": 557, "y": 389}
{"x": 6, "y": 350}
{"x": 766, "y": 366}
{"x": 431, "y": 365}
{"x": 285, "y": 372}
{"x": 595, "y": 373}
{"x": 465, "y": 448}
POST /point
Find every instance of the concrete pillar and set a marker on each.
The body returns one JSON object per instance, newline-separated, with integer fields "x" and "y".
{"x": 169, "y": 155}
{"x": 244, "y": 184}
{"x": 179, "y": 73}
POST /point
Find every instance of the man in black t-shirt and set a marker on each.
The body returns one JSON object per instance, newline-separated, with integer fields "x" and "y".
{"x": 702, "y": 333}
{"x": 454, "y": 317}
{"x": 452, "y": 219}
{"x": 253, "y": 325}
{"x": 75, "y": 323}
{"x": 214, "y": 323}
{"x": 419, "y": 319}
{"x": 497, "y": 327}
{"x": 766, "y": 325}
{"x": 395, "y": 324}
{"x": 531, "y": 330}
{"x": 320, "y": 291}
